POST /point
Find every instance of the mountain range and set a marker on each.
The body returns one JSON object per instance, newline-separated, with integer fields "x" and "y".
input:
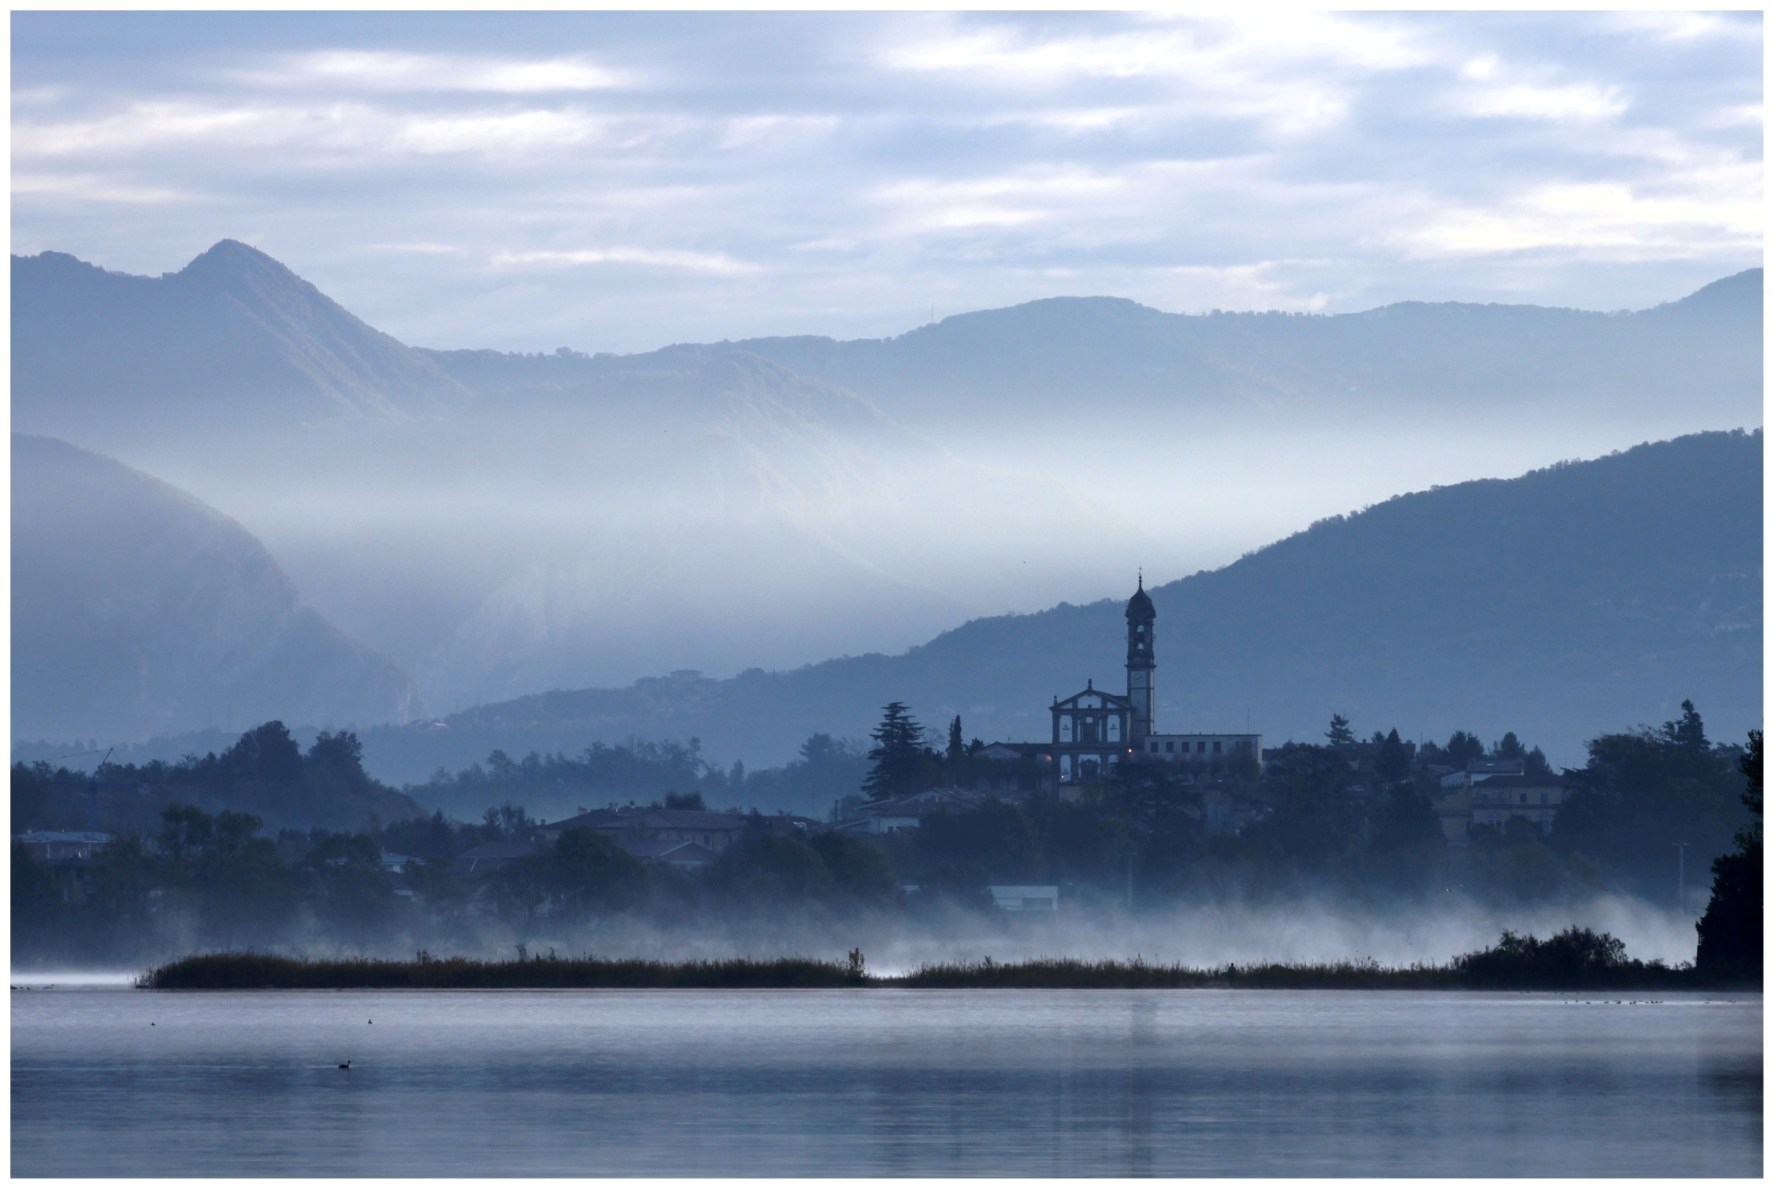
{"x": 496, "y": 524}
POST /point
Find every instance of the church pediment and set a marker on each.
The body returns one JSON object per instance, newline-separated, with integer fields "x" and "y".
{"x": 1092, "y": 699}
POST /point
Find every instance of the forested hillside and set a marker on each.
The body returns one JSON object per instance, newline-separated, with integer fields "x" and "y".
{"x": 1566, "y": 601}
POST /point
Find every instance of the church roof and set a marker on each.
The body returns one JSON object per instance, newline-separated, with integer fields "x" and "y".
{"x": 1140, "y": 605}
{"x": 1110, "y": 701}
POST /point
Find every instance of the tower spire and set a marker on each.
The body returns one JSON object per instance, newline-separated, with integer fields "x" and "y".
{"x": 1141, "y": 662}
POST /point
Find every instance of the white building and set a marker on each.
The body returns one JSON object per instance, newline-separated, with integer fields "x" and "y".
{"x": 1095, "y": 730}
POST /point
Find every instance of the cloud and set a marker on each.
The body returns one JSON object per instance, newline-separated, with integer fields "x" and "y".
{"x": 1688, "y": 26}
{"x": 927, "y": 205}
{"x": 1574, "y": 102}
{"x": 416, "y": 249}
{"x": 1581, "y": 217}
{"x": 841, "y": 173}
{"x": 381, "y": 70}
{"x": 712, "y": 263}
{"x": 93, "y": 188}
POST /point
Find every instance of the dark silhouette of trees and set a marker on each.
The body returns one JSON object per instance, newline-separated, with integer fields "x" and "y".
{"x": 1463, "y": 747}
{"x": 1339, "y": 733}
{"x": 1393, "y": 764}
{"x": 898, "y": 759}
{"x": 1731, "y": 931}
{"x": 1644, "y": 791}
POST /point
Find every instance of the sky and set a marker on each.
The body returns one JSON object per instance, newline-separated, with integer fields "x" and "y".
{"x": 621, "y": 181}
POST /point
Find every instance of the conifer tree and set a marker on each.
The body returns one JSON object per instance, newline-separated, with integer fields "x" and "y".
{"x": 897, "y": 758}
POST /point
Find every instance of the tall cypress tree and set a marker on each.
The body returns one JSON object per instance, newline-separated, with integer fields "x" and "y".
{"x": 897, "y": 758}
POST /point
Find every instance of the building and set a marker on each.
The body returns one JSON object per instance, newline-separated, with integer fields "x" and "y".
{"x": 1094, "y": 730}
{"x": 69, "y": 856}
{"x": 895, "y": 814}
{"x": 1534, "y": 798}
{"x": 1491, "y": 792}
{"x": 710, "y": 829}
{"x": 1025, "y": 897}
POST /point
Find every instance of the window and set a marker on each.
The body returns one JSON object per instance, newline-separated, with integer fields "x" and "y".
{"x": 1065, "y": 728}
{"x": 1154, "y": 745}
{"x": 1200, "y": 748}
{"x": 1169, "y": 745}
{"x": 1216, "y": 747}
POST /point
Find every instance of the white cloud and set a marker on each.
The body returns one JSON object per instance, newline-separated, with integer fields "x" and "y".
{"x": 417, "y": 249}
{"x": 1578, "y": 102}
{"x": 712, "y": 263}
{"x": 377, "y": 131}
{"x": 380, "y": 70}
{"x": 1723, "y": 210}
{"x": 92, "y": 188}
{"x": 1685, "y": 26}
{"x": 923, "y": 205}
{"x": 493, "y": 133}
{"x": 774, "y": 132}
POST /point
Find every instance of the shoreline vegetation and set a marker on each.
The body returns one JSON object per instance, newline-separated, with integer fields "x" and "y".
{"x": 1574, "y": 960}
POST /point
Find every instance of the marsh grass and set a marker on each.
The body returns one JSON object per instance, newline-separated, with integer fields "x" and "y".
{"x": 1577, "y": 959}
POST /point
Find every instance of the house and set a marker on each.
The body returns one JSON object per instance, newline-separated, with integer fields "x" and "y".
{"x": 894, "y": 814}
{"x": 60, "y": 848}
{"x": 69, "y": 855}
{"x": 711, "y": 829}
{"x": 1490, "y": 792}
{"x": 490, "y": 856}
{"x": 685, "y": 856}
{"x": 1535, "y": 798}
{"x": 1025, "y": 897}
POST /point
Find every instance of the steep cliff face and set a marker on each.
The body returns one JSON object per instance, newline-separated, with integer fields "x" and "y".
{"x": 138, "y": 610}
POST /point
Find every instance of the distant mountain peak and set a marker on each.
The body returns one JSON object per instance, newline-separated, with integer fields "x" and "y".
{"x": 1738, "y": 295}
{"x": 230, "y": 257}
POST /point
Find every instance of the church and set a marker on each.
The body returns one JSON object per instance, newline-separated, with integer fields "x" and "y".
{"x": 1095, "y": 730}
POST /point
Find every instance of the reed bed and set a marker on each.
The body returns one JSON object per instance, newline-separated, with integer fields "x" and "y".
{"x": 251, "y": 971}
{"x": 1508, "y": 967}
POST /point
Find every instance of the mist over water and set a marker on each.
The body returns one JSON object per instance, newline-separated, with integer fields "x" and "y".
{"x": 1206, "y": 936}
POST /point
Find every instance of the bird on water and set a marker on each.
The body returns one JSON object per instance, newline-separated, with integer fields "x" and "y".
{"x": 344, "y": 1065}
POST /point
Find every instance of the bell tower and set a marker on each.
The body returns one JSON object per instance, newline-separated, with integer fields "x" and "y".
{"x": 1140, "y": 663}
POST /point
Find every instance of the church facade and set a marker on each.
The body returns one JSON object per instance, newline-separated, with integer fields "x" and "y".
{"x": 1096, "y": 730}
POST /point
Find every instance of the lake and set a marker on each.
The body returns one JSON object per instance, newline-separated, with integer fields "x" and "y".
{"x": 115, "y": 1082}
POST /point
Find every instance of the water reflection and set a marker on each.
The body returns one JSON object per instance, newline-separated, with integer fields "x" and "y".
{"x": 881, "y": 1083}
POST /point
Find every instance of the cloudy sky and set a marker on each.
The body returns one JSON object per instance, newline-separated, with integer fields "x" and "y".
{"x": 621, "y": 181}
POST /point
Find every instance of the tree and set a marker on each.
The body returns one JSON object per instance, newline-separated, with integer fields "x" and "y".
{"x": 1339, "y": 733}
{"x": 1463, "y": 747}
{"x": 1731, "y": 931}
{"x": 957, "y": 749}
{"x": 265, "y": 755}
{"x": 1394, "y": 761}
{"x": 1642, "y": 793}
{"x": 898, "y": 755}
{"x": 1686, "y": 732}
{"x": 591, "y": 875}
{"x": 1509, "y": 748}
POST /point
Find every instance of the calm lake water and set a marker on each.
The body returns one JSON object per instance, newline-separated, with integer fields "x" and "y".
{"x": 111, "y": 1082}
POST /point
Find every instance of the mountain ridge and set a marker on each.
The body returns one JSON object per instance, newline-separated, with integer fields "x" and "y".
{"x": 139, "y": 609}
{"x": 1610, "y": 639}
